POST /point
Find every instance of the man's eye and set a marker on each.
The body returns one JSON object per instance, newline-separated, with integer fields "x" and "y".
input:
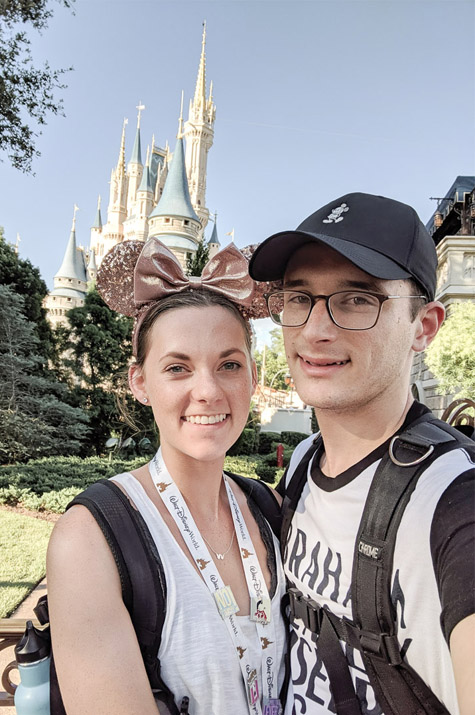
{"x": 298, "y": 299}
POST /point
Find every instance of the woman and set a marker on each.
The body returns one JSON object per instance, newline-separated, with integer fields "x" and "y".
{"x": 223, "y": 639}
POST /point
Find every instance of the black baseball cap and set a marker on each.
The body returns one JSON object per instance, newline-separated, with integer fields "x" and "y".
{"x": 383, "y": 237}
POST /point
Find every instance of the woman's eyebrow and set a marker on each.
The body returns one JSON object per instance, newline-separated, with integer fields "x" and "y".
{"x": 183, "y": 356}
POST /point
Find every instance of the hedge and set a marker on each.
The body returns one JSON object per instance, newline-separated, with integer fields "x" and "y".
{"x": 293, "y": 438}
{"x": 246, "y": 443}
{"x": 266, "y": 439}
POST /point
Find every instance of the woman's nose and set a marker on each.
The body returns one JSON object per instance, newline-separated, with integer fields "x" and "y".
{"x": 206, "y": 388}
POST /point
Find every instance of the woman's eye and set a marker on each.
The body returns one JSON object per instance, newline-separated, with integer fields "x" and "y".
{"x": 175, "y": 369}
{"x": 231, "y": 365}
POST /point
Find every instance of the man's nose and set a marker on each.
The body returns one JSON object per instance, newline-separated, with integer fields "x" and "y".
{"x": 319, "y": 325}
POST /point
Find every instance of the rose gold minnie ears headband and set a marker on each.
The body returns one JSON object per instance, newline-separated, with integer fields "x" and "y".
{"x": 133, "y": 276}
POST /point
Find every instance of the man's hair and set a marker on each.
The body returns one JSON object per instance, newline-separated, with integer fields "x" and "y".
{"x": 416, "y": 304}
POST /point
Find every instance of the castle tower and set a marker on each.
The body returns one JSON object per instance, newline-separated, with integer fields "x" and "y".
{"x": 134, "y": 167}
{"x": 199, "y": 133}
{"x": 70, "y": 282}
{"x": 96, "y": 228}
{"x": 92, "y": 267}
{"x": 173, "y": 219}
{"x": 144, "y": 202}
{"x": 113, "y": 231}
{"x": 214, "y": 244}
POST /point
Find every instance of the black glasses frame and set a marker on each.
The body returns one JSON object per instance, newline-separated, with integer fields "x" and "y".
{"x": 381, "y": 297}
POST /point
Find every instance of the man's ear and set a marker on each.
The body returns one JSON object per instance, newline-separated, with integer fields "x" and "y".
{"x": 137, "y": 383}
{"x": 429, "y": 320}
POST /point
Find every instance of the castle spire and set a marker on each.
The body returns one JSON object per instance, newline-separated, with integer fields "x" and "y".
{"x": 121, "y": 162}
{"x": 180, "y": 118}
{"x": 98, "y": 220}
{"x": 200, "y": 89}
{"x": 73, "y": 262}
{"x": 175, "y": 200}
{"x": 136, "y": 157}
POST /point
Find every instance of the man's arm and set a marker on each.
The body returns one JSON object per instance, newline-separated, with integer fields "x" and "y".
{"x": 462, "y": 648}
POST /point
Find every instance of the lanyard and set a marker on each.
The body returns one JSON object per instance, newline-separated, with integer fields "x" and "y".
{"x": 225, "y": 601}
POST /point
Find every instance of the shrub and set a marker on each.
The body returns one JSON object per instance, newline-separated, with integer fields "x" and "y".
{"x": 265, "y": 441}
{"x": 266, "y": 472}
{"x": 245, "y": 444}
{"x": 293, "y": 438}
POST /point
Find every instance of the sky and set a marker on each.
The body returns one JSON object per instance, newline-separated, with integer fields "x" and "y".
{"x": 314, "y": 99}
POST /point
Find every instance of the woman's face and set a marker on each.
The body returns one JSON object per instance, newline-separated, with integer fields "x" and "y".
{"x": 199, "y": 378}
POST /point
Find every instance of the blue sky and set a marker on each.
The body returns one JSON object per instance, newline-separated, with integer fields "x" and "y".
{"x": 314, "y": 99}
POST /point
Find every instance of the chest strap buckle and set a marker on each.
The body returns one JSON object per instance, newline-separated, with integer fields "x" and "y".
{"x": 306, "y": 609}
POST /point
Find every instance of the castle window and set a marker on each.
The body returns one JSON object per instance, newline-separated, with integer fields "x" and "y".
{"x": 186, "y": 222}
{"x": 199, "y": 202}
{"x": 167, "y": 220}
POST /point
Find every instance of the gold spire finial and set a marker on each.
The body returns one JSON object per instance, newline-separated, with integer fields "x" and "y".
{"x": 140, "y": 107}
{"x": 75, "y": 210}
{"x": 153, "y": 142}
{"x": 121, "y": 162}
{"x": 99, "y": 202}
{"x": 180, "y": 119}
{"x": 200, "y": 90}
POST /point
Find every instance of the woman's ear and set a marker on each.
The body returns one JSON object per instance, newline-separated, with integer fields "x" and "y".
{"x": 254, "y": 376}
{"x": 137, "y": 383}
{"x": 429, "y": 320}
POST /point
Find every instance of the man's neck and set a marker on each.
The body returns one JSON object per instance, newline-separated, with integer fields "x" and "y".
{"x": 350, "y": 435}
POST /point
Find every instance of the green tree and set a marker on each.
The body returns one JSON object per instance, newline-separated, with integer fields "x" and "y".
{"x": 25, "y": 279}
{"x": 96, "y": 350}
{"x": 25, "y": 89}
{"x": 451, "y": 356}
{"x": 276, "y": 368}
{"x": 36, "y": 419}
{"x": 196, "y": 263}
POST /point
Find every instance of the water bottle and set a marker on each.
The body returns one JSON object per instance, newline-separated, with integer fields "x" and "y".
{"x": 33, "y": 655}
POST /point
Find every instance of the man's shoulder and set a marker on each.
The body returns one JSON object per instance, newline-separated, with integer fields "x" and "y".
{"x": 299, "y": 453}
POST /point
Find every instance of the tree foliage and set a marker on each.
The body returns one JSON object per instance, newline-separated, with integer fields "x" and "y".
{"x": 451, "y": 356}
{"x": 275, "y": 369}
{"x": 27, "y": 92}
{"x": 196, "y": 263}
{"x": 25, "y": 279}
{"x": 35, "y": 417}
{"x": 96, "y": 350}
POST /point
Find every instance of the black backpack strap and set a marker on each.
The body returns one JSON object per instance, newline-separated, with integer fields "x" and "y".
{"x": 399, "y": 689}
{"x": 294, "y": 490}
{"x": 141, "y": 576}
{"x": 263, "y": 496}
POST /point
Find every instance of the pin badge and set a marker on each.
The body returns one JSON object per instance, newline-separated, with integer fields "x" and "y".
{"x": 261, "y": 610}
{"x": 226, "y": 602}
{"x": 252, "y": 687}
{"x": 272, "y": 706}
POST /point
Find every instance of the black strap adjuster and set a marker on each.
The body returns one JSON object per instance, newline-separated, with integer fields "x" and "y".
{"x": 306, "y": 609}
{"x": 375, "y": 645}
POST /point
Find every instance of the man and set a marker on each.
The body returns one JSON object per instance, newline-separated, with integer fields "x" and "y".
{"x": 357, "y": 302}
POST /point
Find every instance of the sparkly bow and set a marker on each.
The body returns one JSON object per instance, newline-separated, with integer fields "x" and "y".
{"x": 158, "y": 274}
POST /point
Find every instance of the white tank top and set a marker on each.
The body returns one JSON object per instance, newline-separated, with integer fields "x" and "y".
{"x": 197, "y": 656}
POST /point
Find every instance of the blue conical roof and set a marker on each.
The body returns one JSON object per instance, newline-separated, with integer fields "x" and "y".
{"x": 73, "y": 262}
{"x": 214, "y": 235}
{"x": 146, "y": 183}
{"x": 175, "y": 200}
{"x": 98, "y": 220}
{"x": 136, "y": 157}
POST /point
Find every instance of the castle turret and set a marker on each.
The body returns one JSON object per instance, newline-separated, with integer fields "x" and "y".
{"x": 135, "y": 167}
{"x": 113, "y": 231}
{"x": 70, "y": 282}
{"x": 199, "y": 133}
{"x": 173, "y": 220}
{"x": 214, "y": 244}
{"x": 96, "y": 228}
{"x": 144, "y": 202}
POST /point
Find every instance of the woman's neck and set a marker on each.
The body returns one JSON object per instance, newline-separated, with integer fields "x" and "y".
{"x": 200, "y": 483}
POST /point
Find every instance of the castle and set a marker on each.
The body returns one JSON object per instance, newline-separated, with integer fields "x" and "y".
{"x": 165, "y": 198}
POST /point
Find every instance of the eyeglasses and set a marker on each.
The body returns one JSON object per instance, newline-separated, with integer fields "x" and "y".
{"x": 348, "y": 309}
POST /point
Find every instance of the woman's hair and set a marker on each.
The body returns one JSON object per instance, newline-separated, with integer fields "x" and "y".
{"x": 190, "y": 299}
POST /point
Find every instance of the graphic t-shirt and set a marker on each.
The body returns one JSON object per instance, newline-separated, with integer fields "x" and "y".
{"x": 433, "y": 579}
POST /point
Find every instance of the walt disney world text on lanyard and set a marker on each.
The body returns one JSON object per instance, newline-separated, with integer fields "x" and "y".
{"x": 260, "y": 602}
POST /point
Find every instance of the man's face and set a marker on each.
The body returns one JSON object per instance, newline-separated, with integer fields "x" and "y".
{"x": 344, "y": 370}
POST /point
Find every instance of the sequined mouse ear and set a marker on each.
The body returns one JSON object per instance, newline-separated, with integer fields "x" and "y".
{"x": 115, "y": 277}
{"x": 258, "y": 308}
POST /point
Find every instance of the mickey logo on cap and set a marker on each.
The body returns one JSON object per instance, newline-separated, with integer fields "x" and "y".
{"x": 335, "y": 216}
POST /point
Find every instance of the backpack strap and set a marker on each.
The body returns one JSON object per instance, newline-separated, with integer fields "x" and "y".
{"x": 263, "y": 496}
{"x": 399, "y": 689}
{"x": 294, "y": 490}
{"x": 141, "y": 575}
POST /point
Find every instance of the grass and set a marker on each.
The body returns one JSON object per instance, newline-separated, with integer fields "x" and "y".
{"x": 23, "y": 543}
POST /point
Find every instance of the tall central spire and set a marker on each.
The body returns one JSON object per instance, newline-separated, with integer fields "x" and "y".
{"x": 121, "y": 162}
{"x": 200, "y": 89}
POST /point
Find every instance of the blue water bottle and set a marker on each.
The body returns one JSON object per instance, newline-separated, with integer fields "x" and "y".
{"x": 33, "y": 655}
